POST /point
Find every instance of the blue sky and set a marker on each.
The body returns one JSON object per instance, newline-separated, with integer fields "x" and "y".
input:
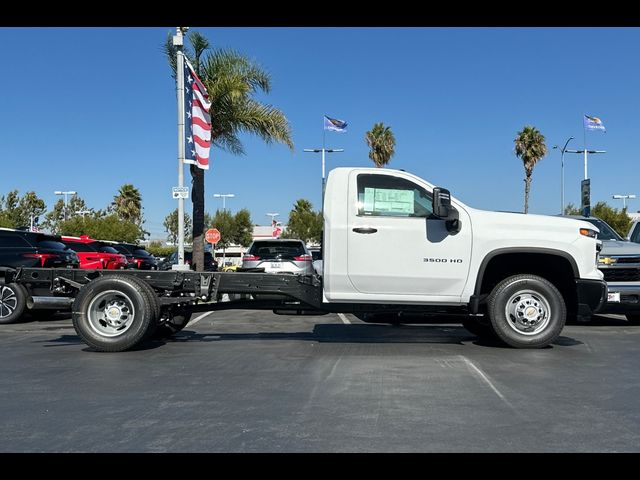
{"x": 89, "y": 109}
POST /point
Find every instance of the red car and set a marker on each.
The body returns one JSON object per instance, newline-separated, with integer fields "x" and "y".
{"x": 95, "y": 254}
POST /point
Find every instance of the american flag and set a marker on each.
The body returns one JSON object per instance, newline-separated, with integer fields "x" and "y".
{"x": 197, "y": 121}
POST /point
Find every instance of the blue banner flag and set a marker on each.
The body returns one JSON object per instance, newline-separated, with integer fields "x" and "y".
{"x": 593, "y": 123}
{"x": 334, "y": 124}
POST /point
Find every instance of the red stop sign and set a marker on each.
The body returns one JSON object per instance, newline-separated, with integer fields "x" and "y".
{"x": 212, "y": 235}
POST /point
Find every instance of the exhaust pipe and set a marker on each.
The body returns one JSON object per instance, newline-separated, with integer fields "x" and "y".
{"x": 49, "y": 303}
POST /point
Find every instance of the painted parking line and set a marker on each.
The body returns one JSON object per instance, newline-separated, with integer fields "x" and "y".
{"x": 193, "y": 321}
{"x": 344, "y": 318}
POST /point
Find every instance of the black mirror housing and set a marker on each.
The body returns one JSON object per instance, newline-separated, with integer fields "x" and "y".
{"x": 441, "y": 203}
{"x": 443, "y": 209}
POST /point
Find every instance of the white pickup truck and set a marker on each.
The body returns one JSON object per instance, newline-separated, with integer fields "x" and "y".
{"x": 393, "y": 243}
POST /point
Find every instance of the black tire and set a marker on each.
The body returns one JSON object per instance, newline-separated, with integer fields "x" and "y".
{"x": 632, "y": 318}
{"x": 13, "y": 301}
{"x": 155, "y": 304}
{"x": 123, "y": 296}
{"x": 172, "y": 326}
{"x": 480, "y": 327}
{"x": 527, "y": 311}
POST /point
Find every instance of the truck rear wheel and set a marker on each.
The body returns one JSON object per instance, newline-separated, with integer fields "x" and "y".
{"x": 115, "y": 313}
{"x": 527, "y": 311}
{"x": 13, "y": 300}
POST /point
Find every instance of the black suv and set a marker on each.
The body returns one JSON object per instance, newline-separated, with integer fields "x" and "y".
{"x": 137, "y": 256}
{"x": 20, "y": 248}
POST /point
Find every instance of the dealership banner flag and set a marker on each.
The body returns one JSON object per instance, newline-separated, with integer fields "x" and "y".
{"x": 593, "y": 123}
{"x": 197, "y": 121}
{"x": 334, "y": 124}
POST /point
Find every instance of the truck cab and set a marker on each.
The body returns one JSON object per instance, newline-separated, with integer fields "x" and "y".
{"x": 445, "y": 253}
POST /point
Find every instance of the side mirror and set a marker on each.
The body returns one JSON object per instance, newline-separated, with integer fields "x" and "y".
{"x": 443, "y": 209}
{"x": 441, "y": 203}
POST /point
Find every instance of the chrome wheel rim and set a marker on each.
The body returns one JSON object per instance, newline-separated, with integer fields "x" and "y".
{"x": 111, "y": 313}
{"x": 528, "y": 312}
{"x": 8, "y": 301}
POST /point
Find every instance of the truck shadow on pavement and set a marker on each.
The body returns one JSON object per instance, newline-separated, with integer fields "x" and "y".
{"x": 335, "y": 333}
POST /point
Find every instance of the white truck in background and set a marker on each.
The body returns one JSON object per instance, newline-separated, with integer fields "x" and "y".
{"x": 393, "y": 243}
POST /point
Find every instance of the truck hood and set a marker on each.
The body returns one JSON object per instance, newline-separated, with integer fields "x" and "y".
{"x": 617, "y": 247}
{"x": 532, "y": 222}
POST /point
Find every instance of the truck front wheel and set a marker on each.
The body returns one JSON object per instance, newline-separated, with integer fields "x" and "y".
{"x": 526, "y": 311}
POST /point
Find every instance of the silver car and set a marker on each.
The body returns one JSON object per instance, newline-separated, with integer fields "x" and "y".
{"x": 279, "y": 256}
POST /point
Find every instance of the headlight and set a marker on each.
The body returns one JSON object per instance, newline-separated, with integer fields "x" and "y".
{"x": 587, "y": 232}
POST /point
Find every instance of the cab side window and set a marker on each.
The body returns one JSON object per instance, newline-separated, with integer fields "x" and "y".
{"x": 389, "y": 196}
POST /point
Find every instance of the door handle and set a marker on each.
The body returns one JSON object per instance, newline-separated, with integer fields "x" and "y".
{"x": 365, "y": 230}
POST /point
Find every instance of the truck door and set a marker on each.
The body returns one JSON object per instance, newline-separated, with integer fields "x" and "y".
{"x": 395, "y": 248}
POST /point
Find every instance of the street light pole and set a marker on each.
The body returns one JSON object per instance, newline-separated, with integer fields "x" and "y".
{"x": 562, "y": 150}
{"x": 178, "y": 42}
{"x": 59, "y": 192}
{"x": 273, "y": 216}
{"x": 624, "y": 199}
{"x": 224, "y": 197}
{"x": 323, "y": 150}
{"x": 585, "y": 151}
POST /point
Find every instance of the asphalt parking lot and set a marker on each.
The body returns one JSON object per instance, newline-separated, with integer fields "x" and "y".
{"x": 251, "y": 381}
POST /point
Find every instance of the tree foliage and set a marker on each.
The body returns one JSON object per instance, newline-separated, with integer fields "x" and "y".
{"x": 304, "y": 223}
{"x": 75, "y": 205}
{"x": 17, "y": 211}
{"x": 127, "y": 204}
{"x": 530, "y": 148}
{"x": 234, "y": 229}
{"x": 171, "y": 227}
{"x": 381, "y": 142}
{"x": 157, "y": 249}
{"x": 110, "y": 227}
{"x": 243, "y": 231}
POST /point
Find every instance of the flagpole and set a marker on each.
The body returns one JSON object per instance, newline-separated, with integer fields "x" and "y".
{"x": 178, "y": 42}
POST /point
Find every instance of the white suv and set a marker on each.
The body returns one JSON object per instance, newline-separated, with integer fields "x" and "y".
{"x": 279, "y": 256}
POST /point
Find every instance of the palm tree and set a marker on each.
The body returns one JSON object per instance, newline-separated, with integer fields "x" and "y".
{"x": 381, "y": 144}
{"x": 530, "y": 147}
{"x": 128, "y": 204}
{"x": 231, "y": 81}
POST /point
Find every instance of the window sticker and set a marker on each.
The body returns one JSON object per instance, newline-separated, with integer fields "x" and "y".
{"x": 388, "y": 201}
